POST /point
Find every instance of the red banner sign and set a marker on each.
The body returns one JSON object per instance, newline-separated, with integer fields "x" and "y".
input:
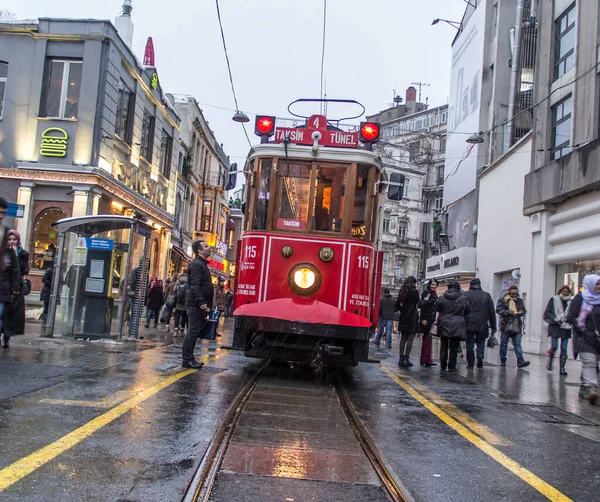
{"x": 304, "y": 136}
{"x": 283, "y": 223}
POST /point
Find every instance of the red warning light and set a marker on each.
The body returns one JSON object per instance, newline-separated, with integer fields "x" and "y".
{"x": 264, "y": 125}
{"x": 369, "y": 132}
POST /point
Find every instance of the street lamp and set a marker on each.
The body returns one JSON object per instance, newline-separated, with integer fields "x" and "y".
{"x": 240, "y": 117}
{"x": 454, "y": 24}
{"x": 476, "y": 139}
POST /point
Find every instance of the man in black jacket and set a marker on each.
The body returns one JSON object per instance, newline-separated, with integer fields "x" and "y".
{"x": 198, "y": 301}
{"x": 479, "y": 320}
{"x": 386, "y": 318}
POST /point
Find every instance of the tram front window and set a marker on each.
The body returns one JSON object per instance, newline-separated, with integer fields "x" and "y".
{"x": 359, "y": 212}
{"x": 294, "y": 197}
{"x": 329, "y": 199}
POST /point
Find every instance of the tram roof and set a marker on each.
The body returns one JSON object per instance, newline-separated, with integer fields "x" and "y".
{"x": 326, "y": 154}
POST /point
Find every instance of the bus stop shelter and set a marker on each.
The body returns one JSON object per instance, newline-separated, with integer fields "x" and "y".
{"x": 91, "y": 295}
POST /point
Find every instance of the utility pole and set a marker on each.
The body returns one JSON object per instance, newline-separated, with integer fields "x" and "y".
{"x": 420, "y": 85}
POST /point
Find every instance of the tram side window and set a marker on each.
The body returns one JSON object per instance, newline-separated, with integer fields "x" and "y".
{"x": 294, "y": 196}
{"x": 263, "y": 195}
{"x": 329, "y": 199}
{"x": 359, "y": 212}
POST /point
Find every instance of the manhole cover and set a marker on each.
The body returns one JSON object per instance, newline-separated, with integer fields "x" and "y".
{"x": 548, "y": 413}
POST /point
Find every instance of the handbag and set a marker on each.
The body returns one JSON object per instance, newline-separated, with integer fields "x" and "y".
{"x": 26, "y": 287}
{"x": 512, "y": 325}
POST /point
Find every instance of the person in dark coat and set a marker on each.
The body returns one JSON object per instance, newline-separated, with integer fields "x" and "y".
{"x": 154, "y": 303}
{"x": 479, "y": 321}
{"x": 558, "y": 327}
{"x": 584, "y": 316}
{"x": 387, "y": 308}
{"x": 453, "y": 309}
{"x": 46, "y": 289}
{"x": 408, "y": 305}
{"x": 511, "y": 310}
{"x": 180, "y": 311}
{"x": 228, "y": 304}
{"x": 427, "y": 308}
{"x": 198, "y": 302}
{"x": 14, "y": 314}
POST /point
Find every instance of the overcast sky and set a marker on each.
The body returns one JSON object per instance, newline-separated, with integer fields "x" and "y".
{"x": 275, "y": 50}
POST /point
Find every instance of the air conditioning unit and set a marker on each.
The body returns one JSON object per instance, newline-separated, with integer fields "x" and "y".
{"x": 431, "y": 245}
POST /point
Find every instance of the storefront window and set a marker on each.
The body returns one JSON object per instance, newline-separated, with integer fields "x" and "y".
{"x": 572, "y": 274}
{"x": 329, "y": 199}
{"x": 294, "y": 195}
{"x": 45, "y": 237}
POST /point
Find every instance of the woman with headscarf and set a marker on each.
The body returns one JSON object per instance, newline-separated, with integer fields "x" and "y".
{"x": 428, "y": 303}
{"x": 452, "y": 324}
{"x": 14, "y": 314}
{"x": 408, "y": 305}
{"x": 558, "y": 328}
{"x": 584, "y": 316}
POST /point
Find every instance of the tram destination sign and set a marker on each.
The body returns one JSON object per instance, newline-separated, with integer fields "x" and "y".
{"x": 317, "y": 123}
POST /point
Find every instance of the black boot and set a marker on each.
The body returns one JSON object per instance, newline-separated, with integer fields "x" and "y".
{"x": 563, "y": 363}
{"x": 407, "y": 362}
{"x": 401, "y": 362}
{"x": 551, "y": 356}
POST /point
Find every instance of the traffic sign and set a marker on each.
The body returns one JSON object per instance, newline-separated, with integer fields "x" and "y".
{"x": 80, "y": 257}
{"x": 81, "y": 243}
{"x": 105, "y": 244}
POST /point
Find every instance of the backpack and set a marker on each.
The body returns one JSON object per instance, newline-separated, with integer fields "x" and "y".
{"x": 180, "y": 293}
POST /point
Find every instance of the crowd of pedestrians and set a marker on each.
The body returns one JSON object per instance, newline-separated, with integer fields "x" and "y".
{"x": 470, "y": 316}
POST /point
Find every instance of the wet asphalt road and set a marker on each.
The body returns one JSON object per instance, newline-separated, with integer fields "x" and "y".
{"x": 53, "y": 387}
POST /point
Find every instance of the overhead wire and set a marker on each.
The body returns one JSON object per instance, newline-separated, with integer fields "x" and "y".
{"x": 229, "y": 70}
{"x": 323, "y": 48}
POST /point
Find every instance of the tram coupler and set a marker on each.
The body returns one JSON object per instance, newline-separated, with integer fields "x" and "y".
{"x": 333, "y": 350}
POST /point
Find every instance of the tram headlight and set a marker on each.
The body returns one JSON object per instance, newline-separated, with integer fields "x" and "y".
{"x": 304, "y": 279}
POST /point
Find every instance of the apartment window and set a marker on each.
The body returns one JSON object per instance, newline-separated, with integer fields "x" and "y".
{"x": 565, "y": 42}
{"x": 561, "y": 127}
{"x": 406, "y": 187}
{"x": 399, "y": 269}
{"x": 438, "y": 203}
{"x": 414, "y": 150}
{"x": 166, "y": 152}
{"x": 61, "y": 89}
{"x": 439, "y": 175}
{"x": 125, "y": 114}
{"x": 444, "y": 116}
{"x": 3, "y": 77}
{"x": 386, "y": 222}
{"x": 403, "y": 230}
{"x": 386, "y": 262}
{"x": 443, "y": 144}
{"x": 206, "y": 215}
{"x": 147, "y": 136}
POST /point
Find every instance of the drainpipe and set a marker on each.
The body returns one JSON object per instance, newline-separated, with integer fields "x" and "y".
{"x": 514, "y": 76}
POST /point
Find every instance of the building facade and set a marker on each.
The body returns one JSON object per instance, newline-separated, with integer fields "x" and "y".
{"x": 86, "y": 130}
{"x": 203, "y": 208}
{"x": 412, "y": 144}
{"x": 561, "y": 193}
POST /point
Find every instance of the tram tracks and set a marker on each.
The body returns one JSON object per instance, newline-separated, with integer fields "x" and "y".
{"x": 204, "y": 480}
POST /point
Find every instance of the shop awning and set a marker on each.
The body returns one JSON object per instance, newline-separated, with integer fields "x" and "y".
{"x": 177, "y": 250}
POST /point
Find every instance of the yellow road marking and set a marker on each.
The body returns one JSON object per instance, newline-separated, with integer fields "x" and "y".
{"x": 455, "y": 412}
{"x": 531, "y": 479}
{"x": 26, "y": 465}
{"x": 113, "y": 399}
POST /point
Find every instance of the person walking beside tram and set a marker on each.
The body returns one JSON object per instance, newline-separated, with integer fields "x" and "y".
{"x": 198, "y": 302}
{"x": 511, "y": 309}
{"x": 14, "y": 314}
{"x": 408, "y": 305}
{"x": 452, "y": 324}
{"x": 479, "y": 321}
{"x": 386, "y": 318}
{"x": 169, "y": 299}
{"x": 558, "y": 327}
{"x": 180, "y": 317}
{"x": 428, "y": 304}
{"x": 584, "y": 316}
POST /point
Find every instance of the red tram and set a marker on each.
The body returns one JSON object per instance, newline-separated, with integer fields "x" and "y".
{"x": 308, "y": 273}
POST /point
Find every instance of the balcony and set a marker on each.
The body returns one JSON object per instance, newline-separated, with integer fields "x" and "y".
{"x": 214, "y": 180}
